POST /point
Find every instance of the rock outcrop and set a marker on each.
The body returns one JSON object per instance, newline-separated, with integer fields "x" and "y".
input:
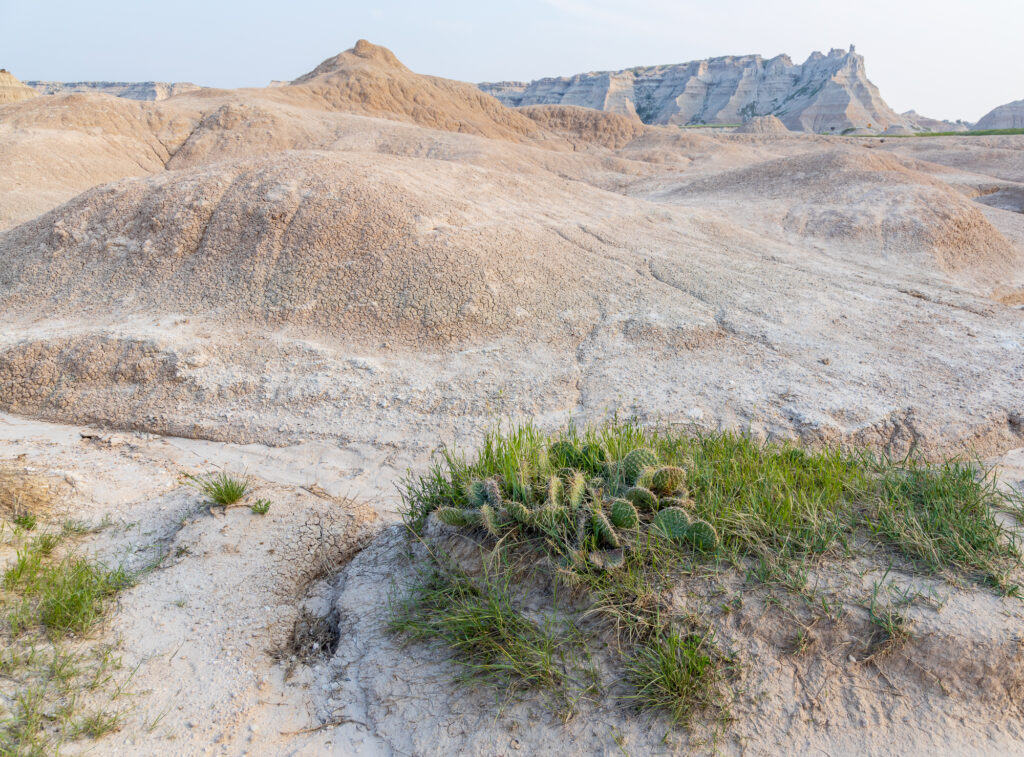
{"x": 132, "y": 90}
{"x": 763, "y": 125}
{"x": 1009, "y": 116}
{"x": 12, "y": 90}
{"x": 923, "y": 123}
{"x": 826, "y": 93}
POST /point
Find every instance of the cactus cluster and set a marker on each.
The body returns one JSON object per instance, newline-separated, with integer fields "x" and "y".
{"x": 583, "y": 513}
{"x": 675, "y": 524}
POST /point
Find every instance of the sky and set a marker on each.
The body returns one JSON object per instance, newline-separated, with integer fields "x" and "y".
{"x": 943, "y": 58}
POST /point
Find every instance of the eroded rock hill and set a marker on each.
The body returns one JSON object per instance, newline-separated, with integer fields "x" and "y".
{"x": 826, "y": 93}
{"x": 132, "y": 90}
{"x": 1009, "y": 116}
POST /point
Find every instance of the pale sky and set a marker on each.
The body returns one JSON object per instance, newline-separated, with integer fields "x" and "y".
{"x": 944, "y": 58}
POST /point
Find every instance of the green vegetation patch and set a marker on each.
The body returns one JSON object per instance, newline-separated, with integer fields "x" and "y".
{"x": 618, "y": 515}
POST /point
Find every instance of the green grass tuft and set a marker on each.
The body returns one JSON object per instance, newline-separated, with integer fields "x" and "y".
{"x": 260, "y": 506}
{"x": 221, "y": 488}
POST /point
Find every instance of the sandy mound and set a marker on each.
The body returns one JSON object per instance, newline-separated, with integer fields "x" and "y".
{"x": 608, "y": 129}
{"x": 871, "y": 200}
{"x": 763, "y": 125}
{"x": 376, "y": 248}
{"x": 12, "y": 90}
{"x": 369, "y": 79}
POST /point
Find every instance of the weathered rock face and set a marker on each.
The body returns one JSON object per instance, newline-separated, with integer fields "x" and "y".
{"x": 923, "y": 123}
{"x": 763, "y": 125}
{"x": 12, "y": 90}
{"x": 132, "y": 90}
{"x": 827, "y": 93}
{"x": 1009, "y": 116}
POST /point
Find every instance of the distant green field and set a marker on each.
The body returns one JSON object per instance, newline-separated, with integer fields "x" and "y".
{"x": 980, "y": 133}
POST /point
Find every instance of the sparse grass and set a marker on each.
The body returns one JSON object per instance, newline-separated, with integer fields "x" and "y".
{"x": 478, "y": 620}
{"x": 777, "y": 512}
{"x": 685, "y": 675}
{"x": 222, "y": 488}
{"x": 52, "y": 597}
{"x": 25, "y": 521}
{"x": 260, "y": 506}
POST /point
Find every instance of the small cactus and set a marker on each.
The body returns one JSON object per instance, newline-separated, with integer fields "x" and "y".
{"x": 668, "y": 480}
{"x": 549, "y": 515}
{"x": 623, "y": 514}
{"x": 491, "y": 520}
{"x": 602, "y": 529}
{"x": 673, "y": 523}
{"x": 642, "y": 499}
{"x": 459, "y": 517}
{"x": 577, "y": 490}
{"x": 492, "y": 493}
{"x": 702, "y": 536}
{"x": 476, "y": 493}
{"x": 554, "y": 491}
{"x": 520, "y": 513}
{"x": 607, "y": 559}
{"x": 685, "y": 504}
{"x": 634, "y": 463}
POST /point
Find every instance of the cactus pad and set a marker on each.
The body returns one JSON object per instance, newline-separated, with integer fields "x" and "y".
{"x": 491, "y": 520}
{"x": 458, "y": 517}
{"x": 673, "y": 523}
{"x": 520, "y": 513}
{"x": 577, "y": 490}
{"x": 702, "y": 536}
{"x": 642, "y": 499}
{"x": 624, "y": 515}
{"x": 634, "y": 463}
{"x": 476, "y": 493}
{"x": 602, "y": 529}
{"x": 685, "y": 504}
{"x": 668, "y": 480}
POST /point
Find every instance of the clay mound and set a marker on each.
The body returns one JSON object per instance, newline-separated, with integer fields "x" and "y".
{"x": 899, "y": 130}
{"x": 871, "y": 199}
{"x": 611, "y": 130}
{"x": 369, "y": 79}
{"x": 361, "y": 246}
{"x": 764, "y": 125}
{"x": 12, "y": 90}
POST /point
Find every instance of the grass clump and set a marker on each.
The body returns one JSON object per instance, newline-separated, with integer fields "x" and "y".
{"x": 478, "y": 620}
{"x": 684, "y": 675}
{"x": 221, "y": 489}
{"x": 260, "y": 507}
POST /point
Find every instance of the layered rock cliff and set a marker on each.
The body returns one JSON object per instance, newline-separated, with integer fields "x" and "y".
{"x": 132, "y": 90}
{"x": 826, "y": 93}
{"x": 1009, "y": 116}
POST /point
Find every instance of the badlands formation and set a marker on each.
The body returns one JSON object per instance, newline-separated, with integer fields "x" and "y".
{"x": 320, "y": 283}
{"x": 1009, "y": 116}
{"x": 826, "y": 93}
{"x": 145, "y": 90}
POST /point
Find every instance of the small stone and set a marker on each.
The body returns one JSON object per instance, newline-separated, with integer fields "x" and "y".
{"x": 851, "y": 658}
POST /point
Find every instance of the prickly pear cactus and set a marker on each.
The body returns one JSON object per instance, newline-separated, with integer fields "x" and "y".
{"x": 602, "y": 529}
{"x": 554, "y": 491}
{"x": 672, "y": 523}
{"x": 492, "y": 493}
{"x": 634, "y": 463}
{"x": 668, "y": 480}
{"x": 685, "y": 504}
{"x": 459, "y": 517}
{"x": 492, "y": 521}
{"x": 642, "y": 499}
{"x": 624, "y": 514}
{"x": 577, "y": 490}
{"x": 520, "y": 513}
{"x": 607, "y": 559}
{"x": 702, "y": 535}
{"x": 549, "y": 515}
{"x": 477, "y": 493}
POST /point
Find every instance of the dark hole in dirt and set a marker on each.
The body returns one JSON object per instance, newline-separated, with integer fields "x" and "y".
{"x": 314, "y": 637}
